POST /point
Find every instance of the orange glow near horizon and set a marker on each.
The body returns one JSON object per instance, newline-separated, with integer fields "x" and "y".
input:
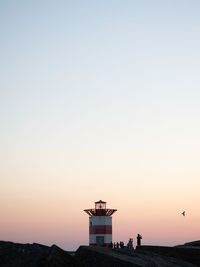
{"x": 60, "y": 218}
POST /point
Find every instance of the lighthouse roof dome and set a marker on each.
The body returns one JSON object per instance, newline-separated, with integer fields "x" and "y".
{"x": 100, "y": 201}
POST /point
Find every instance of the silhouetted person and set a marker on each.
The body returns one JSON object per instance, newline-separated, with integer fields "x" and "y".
{"x": 139, "y": 237}
{"x": 111, "y": 244}
{"x": 121, "y": 244}
{"x": 114, "y": 245}
{"x": 117, "y": 245}
{"x": 130, "y": 244}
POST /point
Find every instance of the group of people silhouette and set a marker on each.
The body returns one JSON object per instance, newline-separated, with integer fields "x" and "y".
{"x": 129, "y": 244}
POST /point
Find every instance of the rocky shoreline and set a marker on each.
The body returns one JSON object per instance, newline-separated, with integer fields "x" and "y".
{"x": 37, "y": 255}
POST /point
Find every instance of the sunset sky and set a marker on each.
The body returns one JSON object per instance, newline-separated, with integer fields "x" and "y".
{"x": 99, "y": 100}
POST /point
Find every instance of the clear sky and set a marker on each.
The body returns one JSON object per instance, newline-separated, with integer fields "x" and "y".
{"x": 99, "y": 100}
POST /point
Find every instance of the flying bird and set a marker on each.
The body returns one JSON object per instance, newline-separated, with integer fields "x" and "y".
{"x": 183, "y": 213}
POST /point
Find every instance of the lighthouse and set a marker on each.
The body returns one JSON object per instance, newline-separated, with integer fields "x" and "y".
{"x": 100, "y": 224}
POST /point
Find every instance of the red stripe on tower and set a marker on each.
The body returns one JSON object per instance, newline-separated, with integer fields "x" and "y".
{"x": 94, "y": 244}
{"x": 101, "y": 229}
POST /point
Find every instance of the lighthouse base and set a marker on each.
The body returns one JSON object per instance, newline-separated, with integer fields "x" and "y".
{"x": 104, "y": 245}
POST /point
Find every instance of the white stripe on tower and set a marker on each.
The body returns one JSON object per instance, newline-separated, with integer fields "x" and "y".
{"x": 101, "y": 220}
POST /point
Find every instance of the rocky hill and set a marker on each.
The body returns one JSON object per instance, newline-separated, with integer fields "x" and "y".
{"x": 145, "y": 256}
{"x": 36, "y": 255}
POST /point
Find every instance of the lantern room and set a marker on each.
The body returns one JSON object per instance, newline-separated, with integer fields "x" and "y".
{"x": 100, "y": 205}
{"x": 100, "y": 210}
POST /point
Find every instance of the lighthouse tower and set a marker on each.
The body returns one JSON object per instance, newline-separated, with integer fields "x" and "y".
{"x": 100, "y": 224}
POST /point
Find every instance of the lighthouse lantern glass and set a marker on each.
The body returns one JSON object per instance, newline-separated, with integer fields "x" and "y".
{"x": 100, "y": 205}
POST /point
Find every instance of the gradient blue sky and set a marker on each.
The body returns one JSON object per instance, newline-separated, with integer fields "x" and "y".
{"x": 99, "y": 100}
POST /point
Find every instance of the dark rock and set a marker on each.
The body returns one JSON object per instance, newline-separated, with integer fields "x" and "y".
{"x": 106, "y": 257}
{"x": 185, "y": 255}
{"x": 193, "y": 244}
{"x": 34, "y": 255}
